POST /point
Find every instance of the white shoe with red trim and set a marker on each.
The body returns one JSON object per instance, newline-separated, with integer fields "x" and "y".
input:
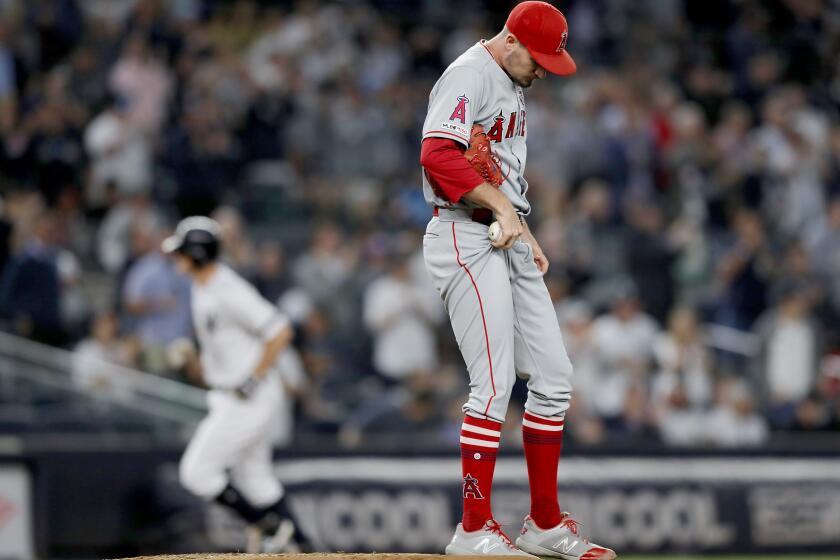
{"x": 490, "y": 540}
{"x": 563, "y": 541}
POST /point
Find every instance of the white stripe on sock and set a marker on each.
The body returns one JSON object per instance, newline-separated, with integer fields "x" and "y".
{"x": 479, "y": 430}
{"x": 545, "y": 427}
{"x": 480, "y": 442}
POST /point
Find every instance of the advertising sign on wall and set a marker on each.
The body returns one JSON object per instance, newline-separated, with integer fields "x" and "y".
{"x": 16, "y": 539}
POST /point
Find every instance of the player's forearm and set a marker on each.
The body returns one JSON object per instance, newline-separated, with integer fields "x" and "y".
{"x": 527, "y": 234}
{"x": 488, "y": 196}
{"x": 272, "y": 349}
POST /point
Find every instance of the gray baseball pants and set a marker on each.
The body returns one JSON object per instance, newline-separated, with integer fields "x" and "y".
{"x": 502, "y": 316}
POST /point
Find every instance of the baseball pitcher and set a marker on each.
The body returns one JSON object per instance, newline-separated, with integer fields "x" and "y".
{"x": 240, "y": 336}
{"x": 489, "y": 269}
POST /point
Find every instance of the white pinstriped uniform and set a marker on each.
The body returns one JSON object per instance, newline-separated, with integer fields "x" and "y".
{"x": 232, "y": 322}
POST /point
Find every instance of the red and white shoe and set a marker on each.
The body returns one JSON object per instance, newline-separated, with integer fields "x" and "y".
{"x": 490, "y": 540}
{"x": 562, "y": 541}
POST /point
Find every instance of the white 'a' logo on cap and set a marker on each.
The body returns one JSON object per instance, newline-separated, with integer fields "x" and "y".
{"x": 564, "y": 38}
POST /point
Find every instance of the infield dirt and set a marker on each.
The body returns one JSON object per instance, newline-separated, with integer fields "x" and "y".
{"x": 312, "y": 556}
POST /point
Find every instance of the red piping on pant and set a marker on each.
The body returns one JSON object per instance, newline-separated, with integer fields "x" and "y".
{"x": 483, "y": 321}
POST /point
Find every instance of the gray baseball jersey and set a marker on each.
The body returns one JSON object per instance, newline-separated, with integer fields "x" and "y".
{"x": 475, "y": 90}
{"x": 497, "y": 300}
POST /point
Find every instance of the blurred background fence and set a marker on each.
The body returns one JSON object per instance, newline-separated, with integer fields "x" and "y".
{"x": 685, "y": 185}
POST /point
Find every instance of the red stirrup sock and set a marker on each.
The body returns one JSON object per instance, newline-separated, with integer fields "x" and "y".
{"x": 479, "y": 444}
{"x": 543, "y": 439}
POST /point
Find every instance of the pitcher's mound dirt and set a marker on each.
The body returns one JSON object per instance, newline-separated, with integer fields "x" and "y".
{"x": 312, "y": 556}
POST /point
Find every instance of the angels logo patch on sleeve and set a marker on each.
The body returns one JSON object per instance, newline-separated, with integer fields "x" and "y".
{"x": 460, "y": 112}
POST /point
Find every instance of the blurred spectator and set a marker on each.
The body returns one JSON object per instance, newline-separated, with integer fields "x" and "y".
{"x": 812, "y": 413}
{"x": 403, "y": 321}
{"x": 75, "y": 229}
{"x": 52, "y": 147}
{"x": 87, "y": 75}
{"x": 682, "y": 390}
{"x": 95, "y": 356}
{"x": 202, "y": 156}
{"x": 120, "y": 155}
{"x": 623, "y": 342}
{"x": 790, "y": 353}
{"x": 75, "y": 308}
{"x": 115, "y": 236}
{"x": 789, "y": 144}
{"x": 57, "y": 26}
{"x": 743, "y": 273}
{"x": 270, "y": 277}
{"x": 797, "y": 268}
{"x": 734, "y": 422}
{"x": 293, "y": 377}
{"x": 650, "y": 259}
{"x": 824, "y": 248}
{"x": 156, "y": 301}
{"x": 683, "y": 361}
{"x": 30, "y": 291}
{"x": 238, "y": 250}
{"x": 332, "y": 392}
{"x": 412, "y": 410}
{"x": 325, "y": 266}
{"x": 576, "y": 322}
{"x": 143, "y": 81}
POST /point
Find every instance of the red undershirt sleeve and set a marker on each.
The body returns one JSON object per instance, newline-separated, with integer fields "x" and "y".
{"x": 449, "y": 173}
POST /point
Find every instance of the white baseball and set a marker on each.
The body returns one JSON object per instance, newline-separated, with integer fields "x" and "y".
{"x": 494, "y": 232}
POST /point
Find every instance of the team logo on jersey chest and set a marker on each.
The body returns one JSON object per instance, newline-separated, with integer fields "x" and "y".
{"x": 212, "y": 323}
{"x": 460, "y": 112}
{"x": 515, "y": 126}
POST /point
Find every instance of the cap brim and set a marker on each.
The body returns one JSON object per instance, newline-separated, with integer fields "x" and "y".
{"x": 171, "y": 244}
{"x": 560, "y": 63}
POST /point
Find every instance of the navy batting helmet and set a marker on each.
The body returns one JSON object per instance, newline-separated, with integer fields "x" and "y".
{"x": 197, "y": 237}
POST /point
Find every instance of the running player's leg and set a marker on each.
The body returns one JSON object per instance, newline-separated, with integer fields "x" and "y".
{"x": 254, "y": 476}
{"x": 473, "y": 281}
{"x": 215, "y": 448}
{"x": 540, "y": 357}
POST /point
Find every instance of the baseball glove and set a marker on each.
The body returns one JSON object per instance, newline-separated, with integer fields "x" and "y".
{"x": 482, "y": 158}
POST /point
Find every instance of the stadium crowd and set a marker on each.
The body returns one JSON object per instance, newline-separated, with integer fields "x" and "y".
{"x": 685, "y": 186}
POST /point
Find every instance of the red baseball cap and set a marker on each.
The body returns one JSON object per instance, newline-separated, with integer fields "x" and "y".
{"x": 543, "y": 30}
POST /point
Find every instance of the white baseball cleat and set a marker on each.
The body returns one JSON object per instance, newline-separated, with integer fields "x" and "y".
{"x": 281, "y": 540}
{"x": 487, "y": 541}
{"x": 563, "y": 541}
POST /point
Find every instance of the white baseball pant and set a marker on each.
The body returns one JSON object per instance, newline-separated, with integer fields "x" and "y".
{"x": 233, "y": 444}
